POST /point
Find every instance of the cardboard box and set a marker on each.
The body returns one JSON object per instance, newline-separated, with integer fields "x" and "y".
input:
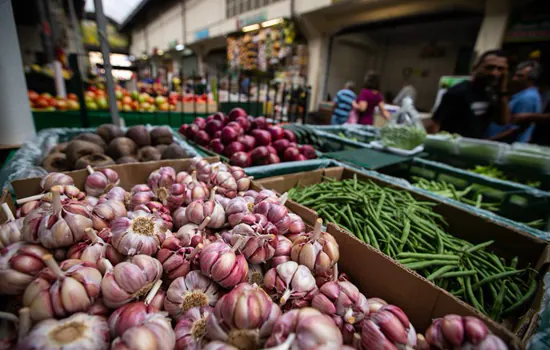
{"x": 130, "y": 175}
{"x": 6, "y": 198}
{"x": 509, "y": 242}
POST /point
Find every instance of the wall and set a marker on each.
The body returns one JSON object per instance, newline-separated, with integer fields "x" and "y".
{"x": 396, "y": 49}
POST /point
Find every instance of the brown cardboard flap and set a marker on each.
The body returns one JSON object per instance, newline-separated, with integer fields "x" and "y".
{"x": 6, "y": 198}
{"x": 376, "y": 275}
{"x": 130, "y": 175}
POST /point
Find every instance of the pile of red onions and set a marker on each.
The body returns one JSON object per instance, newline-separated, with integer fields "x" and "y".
{"x": 246, "y": 140}
{"x": 238, "y": 271}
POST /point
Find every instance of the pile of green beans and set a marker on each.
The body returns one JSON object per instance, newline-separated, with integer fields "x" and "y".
{"x": 411, "y": 232}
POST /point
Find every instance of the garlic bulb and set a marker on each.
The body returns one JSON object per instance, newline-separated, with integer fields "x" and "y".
{"x": 10, "y": 231}
{"x": 195, "y": 190}
{"x": 183, "y": 178}
{"x": 198, "y": 210}
{"x": 191, "y": 328}
{"x": 94, "y": 249}
{"x": 100, "y": 181}
{"x": 313, "y": 330}
{"x": 453, "y": 331}
{"x": 31, "y": 223}
{"x": 227, "y": 186}
{"x": 193, "y": 290}
{"x": 157, "y": 208}
{"x": 290, "y": 283}
{"x": 133, "y": 314}
{"x": 139, "y": 233}
{"x": 161, "y": 180}
{"x": 176, "y": 260}
{"x": 62, "y": 290}
{"x": 256, "y": 246}
{"x": 117, "y": 194}
{"x": 190, "y": 235}
{"x": 80, "y": 331}
{"x": 53, "y": 179}
{"x": 26, "y": 208}
{"x": 341, "y": 299}
{"x": 264, "y": 195}
{"x": 242, "y": 180}
{"x": 129, "y": 280}
{"x": 179, "y": 218}
{"x": 275, "y": 213}
{"x": 19, "y": 264}
{"x": 64, "y": 224}
{"x": 155, "y": 332}
{"x": 104, "y": 213}
{"x": 238, "y": 210}
{"x": 140, "y": 194}
{"x": 282, "y": 251}
{"x": 296, "y": 227}
{"x": 203, "y": 169}
{"x": 244, "y": 317}
{"x": 386, "y": 328}
{"x": 220, "y": 262}
{"x": 317, "y": 250}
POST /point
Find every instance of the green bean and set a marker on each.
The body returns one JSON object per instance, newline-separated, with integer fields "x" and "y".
{"x": 429, "y": 256}
{"x": 458, "y": 274}
{"x": 480, "y": 246}
{"x": 439, "y": 272}
{"x": 524, "y": 299}
{"x": 496, "y": 277}
{"x": 424, "y": 264}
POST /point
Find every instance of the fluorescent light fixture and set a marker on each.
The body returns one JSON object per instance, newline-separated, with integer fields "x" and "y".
{"x": 251, "y": 28}
{"x": 160, "y": 52}
{"x": 272, "y": 22}
{"x": 180, "y": 47}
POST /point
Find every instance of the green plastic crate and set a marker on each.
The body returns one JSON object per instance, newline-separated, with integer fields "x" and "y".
{"x": 519, "y": 203}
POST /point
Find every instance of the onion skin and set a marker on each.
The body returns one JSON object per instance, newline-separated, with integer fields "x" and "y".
{"x": 313, "y": 330}
{"x": 19, "y": 265}
{"x": 244, "y": 317}
{"x": 72, "y": 288}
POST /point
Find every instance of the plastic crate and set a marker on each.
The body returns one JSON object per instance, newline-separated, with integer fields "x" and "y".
{"x": 519, "y": 203}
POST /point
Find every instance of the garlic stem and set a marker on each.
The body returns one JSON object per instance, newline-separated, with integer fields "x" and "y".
{"x": 24, "y": 323}
{"x": 348, "y": 316}
{"x": 153, "y": 292}
{"x": 238, "y": 244}
{"x": 194, "y": 175}
{"x": 317, "y": 230}
{"x": 90, "y": 169}
{"x": 194, "y": 252}
{"x": 335, "y": 272}
{"x": 9, "y": 316}
{"x": 56, "y": 200}
{"x": 30, "y": 199}
{"x": 213, "y": 193}
{"x": 285, "y": 296}
{"x": 204, "y": 223}
{"x": 8, "y": 212}
{"x": 283, "y": 198}
{"x": 52, "y": 264}
{"x": 92, "y": 235}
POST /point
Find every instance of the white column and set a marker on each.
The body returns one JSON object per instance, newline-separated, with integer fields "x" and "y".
{"x": 16, "y": 123}
{"x": 494, "y": 25}
{"x": 317, "y": 68}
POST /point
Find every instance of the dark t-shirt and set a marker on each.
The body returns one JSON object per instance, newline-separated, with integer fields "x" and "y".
{"x": 466, "y": 110}
{"x": 541, "y": 135}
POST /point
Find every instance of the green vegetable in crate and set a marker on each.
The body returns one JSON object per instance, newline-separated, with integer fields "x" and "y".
{"x": 411, "y": 232}
{"x": 492, "y": 171}
{"x": 401, "y": 136}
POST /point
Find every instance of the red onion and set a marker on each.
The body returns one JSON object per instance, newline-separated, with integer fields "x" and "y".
{"x": 289, "y": 135}
{"x": 241, "y": 159}
{"x": 221, "y": 117}
{"x": 248, "y": 141}
{"x": 291, "y": 154}
{"x": 276, "y": 132}
{"x": 217, "y": 146}
{"x": 218, "y": 134}
{"x": 237, "y": 127}
{"x": 263, "y": 137}
{"x": 200, "y": 122}
{"x": 259, "y": 123}
{"x": 212, "y": 127}
{"x": 259, "y": 155}
{"x": 202, "y": 138}
{"x": 281, "y": 145}
{"x": 191, "y": 131}
{"x": 273, "y": 159}
{"x": 235, "y": 113}
{"x": 233, "y": 148}
{"x": 308, "y": 151}
{"x": 271, "y": 149}
{"x": 243, "y": 122}
{"x": 183, "y": 128}
{"x": 301, "y": 158}
{"x": 229, "y": 134}
{"x": 244, "y": 317}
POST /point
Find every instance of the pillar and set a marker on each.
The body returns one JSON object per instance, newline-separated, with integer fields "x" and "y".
{"x": 494, "y": 25}
{"x": 16, "y": 122}
{"x": 318, "y": 47}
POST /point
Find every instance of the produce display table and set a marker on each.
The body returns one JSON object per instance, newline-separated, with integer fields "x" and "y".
{"x": 367, "y": 158}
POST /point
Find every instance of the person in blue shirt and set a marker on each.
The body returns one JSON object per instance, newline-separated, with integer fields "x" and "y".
{"x": 526, "y": 99}
{"x": 344, "y": 102}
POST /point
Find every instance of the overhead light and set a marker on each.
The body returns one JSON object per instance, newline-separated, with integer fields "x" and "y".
{"x": 251, "y": 28}
{"x": 180, "y": 47}
{"x": 160, "y": 52}
{"x": 272, "y": 22}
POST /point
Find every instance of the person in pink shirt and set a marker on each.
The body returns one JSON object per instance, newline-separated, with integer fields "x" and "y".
{"x": 369, "y": 98}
